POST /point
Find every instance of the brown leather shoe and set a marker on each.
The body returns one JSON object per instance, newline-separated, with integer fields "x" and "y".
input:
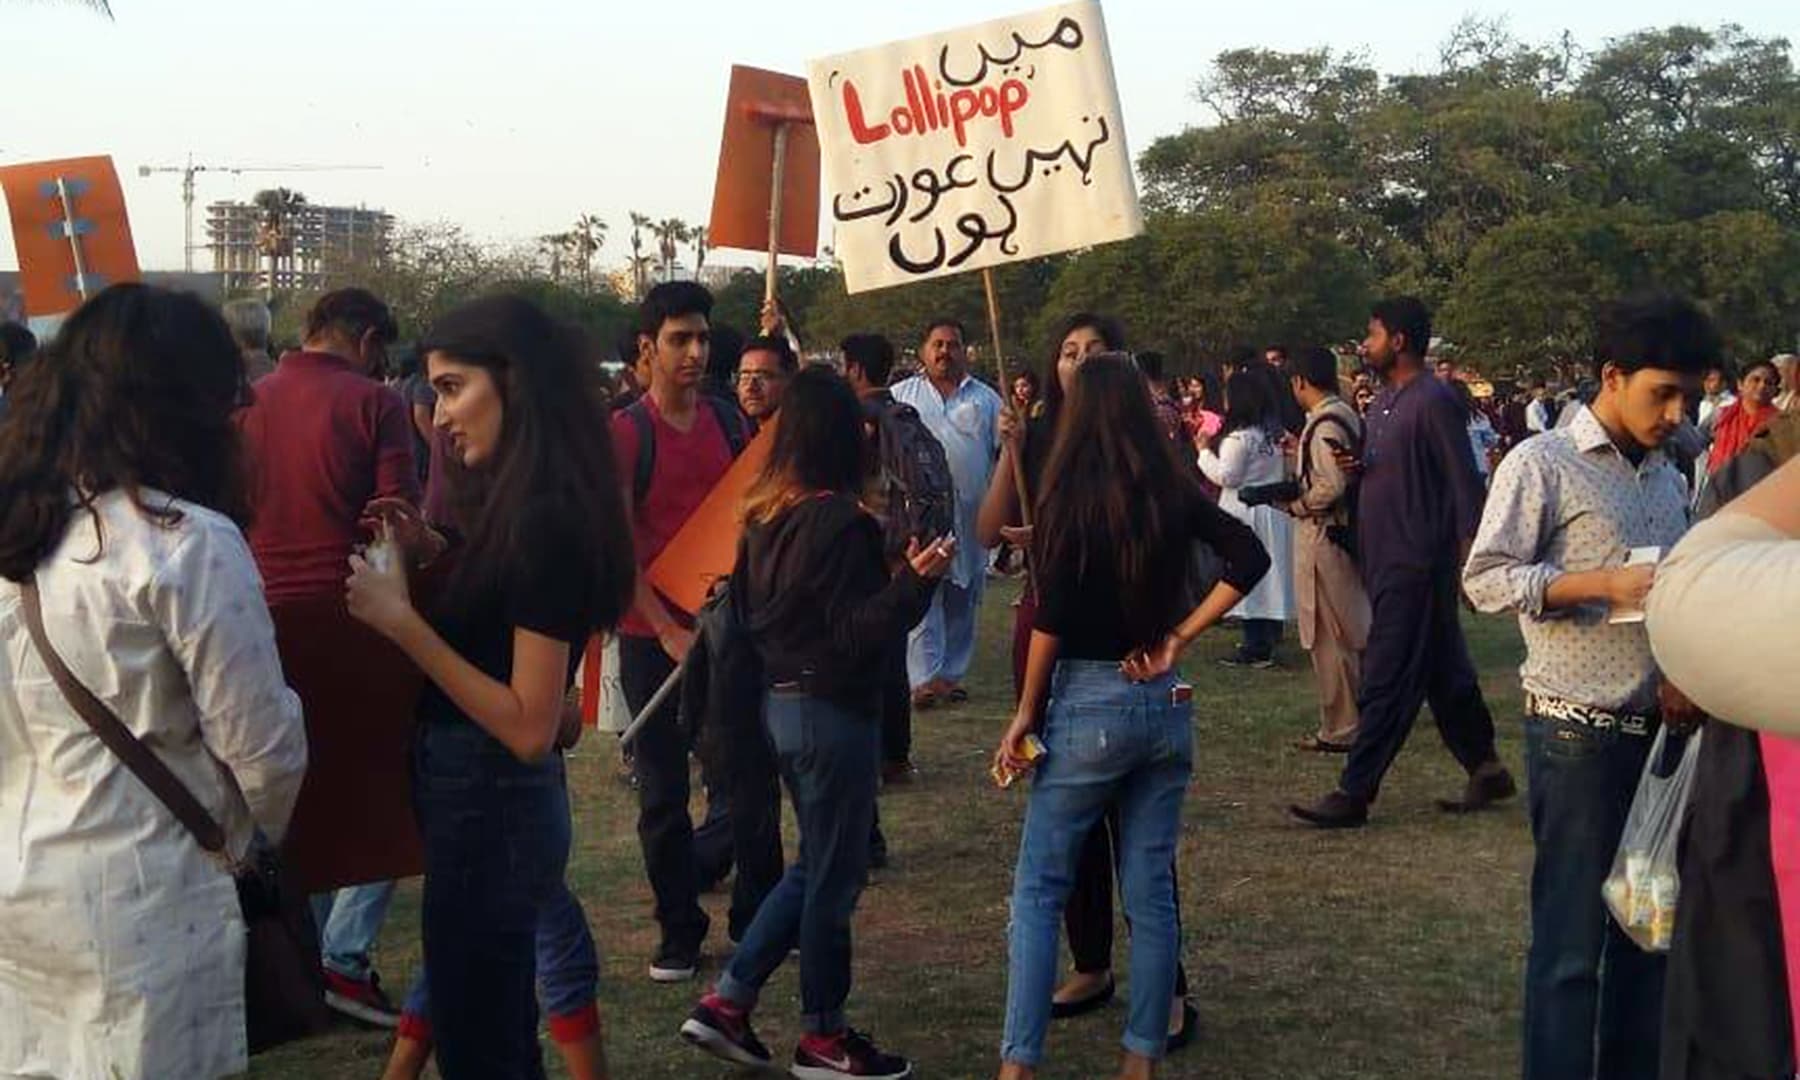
{"x": 1487, "y": 785}
{"x": 1335, "y": 811}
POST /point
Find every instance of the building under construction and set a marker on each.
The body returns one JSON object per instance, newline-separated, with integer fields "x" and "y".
{"x": 324, "y": 238}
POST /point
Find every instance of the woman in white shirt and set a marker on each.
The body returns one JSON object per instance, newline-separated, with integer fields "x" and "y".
{"x": 1249, "y": 453}
{"x": 120, "y": 495}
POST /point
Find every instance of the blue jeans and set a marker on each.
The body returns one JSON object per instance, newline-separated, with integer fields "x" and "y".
{"x": 1109, "y": 741}
{"x": 942, "y": 646}
{"x": 349, "y": 921}
{"x": 496, "y": 834}
{"x": 568, "y": 963}
{"x": 1593, "y": 1000}
{"x": 830, "y": 758}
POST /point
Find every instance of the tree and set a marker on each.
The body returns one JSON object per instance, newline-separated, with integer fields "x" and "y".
{"x": 1528, "y": 295}
{"x": 275, "y": 236}
{"x": 554, "y": 246}
{"x": 670, "y": 234}
{"x": 1196, "y": 284}
{"x": 639, "y": 268}
{"x": 698, "y": 235}
{"x": 586, "y": 239}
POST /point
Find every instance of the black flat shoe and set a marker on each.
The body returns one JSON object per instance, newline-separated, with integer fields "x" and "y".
{"x": 1190, "y": 1027}
{"x": 1068, "y": 1010}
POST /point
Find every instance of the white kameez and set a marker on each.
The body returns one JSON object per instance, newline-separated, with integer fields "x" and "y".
{"x": 1246, "y": 458}
{"x": 121, "y": 946}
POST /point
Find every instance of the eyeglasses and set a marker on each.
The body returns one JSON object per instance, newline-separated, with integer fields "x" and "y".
{"x": 757, "y": 378}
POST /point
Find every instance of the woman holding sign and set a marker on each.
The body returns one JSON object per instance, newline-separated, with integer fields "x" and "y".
{"x": 1117, "y": 521}
{"x": 547, "y": 562}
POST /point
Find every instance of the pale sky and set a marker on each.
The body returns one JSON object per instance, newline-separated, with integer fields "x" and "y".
{"x": 513, "y": 118}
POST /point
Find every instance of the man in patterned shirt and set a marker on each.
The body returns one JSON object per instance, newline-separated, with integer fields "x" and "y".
{"x": 1565, "y": 512}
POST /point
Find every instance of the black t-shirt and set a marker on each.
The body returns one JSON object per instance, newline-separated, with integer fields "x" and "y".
{"x": 546, "y": 594}
{"x": 1085, "y": 606}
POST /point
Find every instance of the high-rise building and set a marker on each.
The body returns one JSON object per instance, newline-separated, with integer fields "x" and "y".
{"x": 324, "y": 237}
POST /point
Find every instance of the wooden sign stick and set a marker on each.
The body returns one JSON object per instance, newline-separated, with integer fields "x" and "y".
{"x": 1018, "y": 461}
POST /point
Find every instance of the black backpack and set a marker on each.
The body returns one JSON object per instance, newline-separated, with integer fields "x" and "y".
{"x": 731, "y": 422}
{"x": 917, "y": 493}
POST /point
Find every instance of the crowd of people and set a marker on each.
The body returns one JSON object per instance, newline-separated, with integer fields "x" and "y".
{"x": 174, "y": 497}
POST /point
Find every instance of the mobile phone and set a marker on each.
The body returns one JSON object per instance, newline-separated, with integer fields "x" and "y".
{"x": 1181, "y": 693}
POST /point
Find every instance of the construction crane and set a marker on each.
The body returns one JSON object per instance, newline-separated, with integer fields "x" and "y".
{"x": 187, "y": 188}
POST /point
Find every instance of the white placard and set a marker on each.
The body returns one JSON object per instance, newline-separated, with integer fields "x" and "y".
{"x": 974, "y": 147}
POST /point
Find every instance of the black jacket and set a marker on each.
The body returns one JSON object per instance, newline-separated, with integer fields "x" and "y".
{"x": 819, "y": 601}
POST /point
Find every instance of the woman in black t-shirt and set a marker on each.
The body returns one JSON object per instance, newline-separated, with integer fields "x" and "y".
{"x": 1116, "y": 524}
{"x": 546, "y": 562}
{"x": 1088, "y": 914}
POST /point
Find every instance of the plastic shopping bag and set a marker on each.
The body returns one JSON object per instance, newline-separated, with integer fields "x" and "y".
{"x": 1645, "y": 883}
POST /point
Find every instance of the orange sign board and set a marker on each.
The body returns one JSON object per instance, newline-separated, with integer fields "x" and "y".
{"x": 42, "y": 224}
{"x": 705, "y": 548}
{"x": 354, "y": 822}
{"x": 758, "y": 101}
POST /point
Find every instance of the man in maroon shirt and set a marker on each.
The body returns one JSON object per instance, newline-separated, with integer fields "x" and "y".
{"x": 323, "y": 438}
{"x": 673, "y": 444}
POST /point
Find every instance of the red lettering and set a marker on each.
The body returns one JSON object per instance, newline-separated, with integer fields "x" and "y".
{"x": 924, "y": 111}
{"x": 1012, "y": 99}
{"x": 915, "y": 102}
{"x": 853, "y": 112}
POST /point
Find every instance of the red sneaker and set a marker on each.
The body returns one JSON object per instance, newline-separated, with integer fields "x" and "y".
{"x": 361, "y": 999}
{"x": 723, "y": 1030}
{"x": 847, "y": 1055}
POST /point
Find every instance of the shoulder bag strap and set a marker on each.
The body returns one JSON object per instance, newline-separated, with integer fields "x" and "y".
{"x": 145, "y": 765}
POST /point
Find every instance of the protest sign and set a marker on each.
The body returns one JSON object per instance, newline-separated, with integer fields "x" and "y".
{"x": 705, "y": 548}
{"x": 974, "y": 147}
{"x": 70, "y": 231}
{"x": 354, "y": 822}
{"x": 759, "y": 103}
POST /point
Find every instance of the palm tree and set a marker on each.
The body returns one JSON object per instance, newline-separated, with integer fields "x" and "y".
{"x": 589, "y": 234}
{"x": 555, "y": 245}
{"x": 698, "y": 235}
{"x": 275, "y": 238}
{"x": 671, "y": 233}
{"x": 639, "y": 268}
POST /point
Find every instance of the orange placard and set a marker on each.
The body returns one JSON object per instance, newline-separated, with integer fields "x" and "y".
{"x": 41, "y": 225}
{"x": 705, "y": 548}
{"x": 758, "y": 101}
{"x": 354, "y": 822}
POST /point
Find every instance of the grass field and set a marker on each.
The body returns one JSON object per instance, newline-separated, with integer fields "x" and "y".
{"x": 1394, "y": 951}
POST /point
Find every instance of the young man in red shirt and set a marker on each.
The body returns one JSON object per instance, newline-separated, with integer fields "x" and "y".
{"x": 672, "y": 445}
{"x": 324, "y": 437}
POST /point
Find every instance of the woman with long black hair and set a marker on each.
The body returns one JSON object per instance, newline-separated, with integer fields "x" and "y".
{"x": 822, "y": 609}
{"x": 545, "y": 561}
{"x": 1114, "y": 532}
{"x": 1088, "y": 914}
